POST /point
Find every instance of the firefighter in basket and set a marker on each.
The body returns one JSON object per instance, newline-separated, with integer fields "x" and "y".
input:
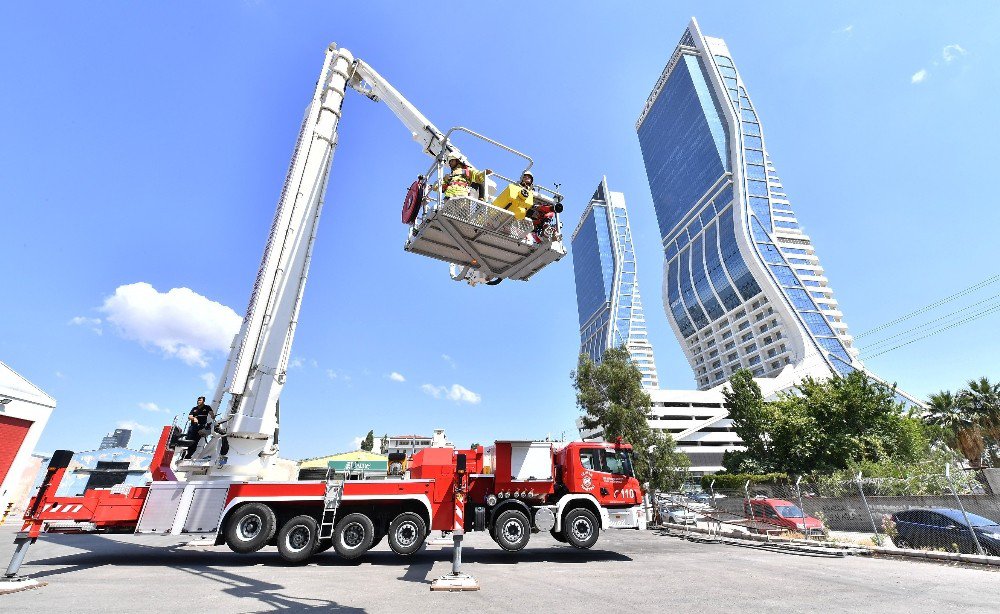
{"x": 458, "y": 182}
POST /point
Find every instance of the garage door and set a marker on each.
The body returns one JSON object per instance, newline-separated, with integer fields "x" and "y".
{"x": 12, "y": 433}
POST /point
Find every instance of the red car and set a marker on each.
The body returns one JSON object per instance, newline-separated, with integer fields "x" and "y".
{"x": 781, "y": 514}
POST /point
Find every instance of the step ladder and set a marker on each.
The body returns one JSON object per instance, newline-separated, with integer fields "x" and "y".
{"x": 331, "y": 501}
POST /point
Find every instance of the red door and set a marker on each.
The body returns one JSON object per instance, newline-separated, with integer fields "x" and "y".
{"x": 12, "y": 433}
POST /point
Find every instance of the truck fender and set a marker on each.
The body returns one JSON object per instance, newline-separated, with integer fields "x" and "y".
{"x": 505, "y": 505}
{"x": 566, "y": 500}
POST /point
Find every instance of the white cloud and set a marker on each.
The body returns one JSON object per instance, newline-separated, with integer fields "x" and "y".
{"x": 180, "y": 322}
{"x": 457, "y": 393}
{"x": 397, "y": 377}
{"x": 314, "y": 363}
{"x": 93, "y": 323}
{"x": 449, "y": 360}
{"x": 338, "y": 375}
{"x": 952, "y": 52}
{"x": 59, "y": 374}
{"x": 919, "y": 76}
{"x": 134, "y": 426}
{"x": 295, "y": 363}
{"x": 210, "y": 380}
{"x": 356, "y": 443}
{"x": 153, "y": 407}
{"x": 847, "y": 30}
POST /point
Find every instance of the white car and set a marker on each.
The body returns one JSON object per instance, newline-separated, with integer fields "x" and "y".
{"x": 677, "y": 515}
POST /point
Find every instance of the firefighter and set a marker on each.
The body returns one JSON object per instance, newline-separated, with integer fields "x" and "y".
{"x": 456, "y": 183}
{"x": 198, "y": 419}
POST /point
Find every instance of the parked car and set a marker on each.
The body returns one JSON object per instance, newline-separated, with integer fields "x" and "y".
{"x": 945, "y": 528}
{"x": 782, "y": 514}
{"x": 677, "y": 514}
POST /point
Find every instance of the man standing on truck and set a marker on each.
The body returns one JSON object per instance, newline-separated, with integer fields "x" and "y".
{"x": 198, "y": 419}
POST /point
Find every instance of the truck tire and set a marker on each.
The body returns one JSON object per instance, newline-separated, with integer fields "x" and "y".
{"x": 297, "y": 539}
{"x": 250, "y": 527}
{"x": 407, "y": 532}
{"x": 512, "y": 530}
{"x": 581, "y": 528}
{"x": 353, "y": 535}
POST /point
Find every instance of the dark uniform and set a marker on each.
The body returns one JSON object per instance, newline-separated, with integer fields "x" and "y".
{"x": 201, "y": 413}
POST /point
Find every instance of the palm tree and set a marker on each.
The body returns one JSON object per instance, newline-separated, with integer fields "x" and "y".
{"x": 982, "y": 401}
{"x": 959, "y": 428}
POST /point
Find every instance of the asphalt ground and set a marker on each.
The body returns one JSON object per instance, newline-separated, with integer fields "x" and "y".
{"x": 626, "y": 570}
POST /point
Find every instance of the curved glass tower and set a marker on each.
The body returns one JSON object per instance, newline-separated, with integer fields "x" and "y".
{"x": 743, "y": 287}
{"x": 607, "y": 291}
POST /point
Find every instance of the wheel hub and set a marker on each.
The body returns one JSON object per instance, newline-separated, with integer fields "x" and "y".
{"x": 299, "y": 537}
{"x": 249, "y": 527}
{"x": 354, "y": 534}
{"x": 406, "y": 534}
{"x": 511, "y": 531}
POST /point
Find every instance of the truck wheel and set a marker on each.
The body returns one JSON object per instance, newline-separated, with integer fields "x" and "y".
{"x": 250, "y": 527}
{"x": 580, "y": 528}
{"x": 297, "y": 539}
{"x": 558, "y": 536}
{"x": 512, "y": 530}
{"x": 406, "y": 533}
{"x": 353, "y": 535}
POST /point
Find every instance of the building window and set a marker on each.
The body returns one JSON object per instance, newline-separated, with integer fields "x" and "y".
{"x": 747, "y": 337}
{"x": 727, "y": 335}
{"x": 750, "y": 348}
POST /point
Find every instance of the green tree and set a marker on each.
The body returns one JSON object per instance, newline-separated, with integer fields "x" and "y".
{"x": 384, "y": 449}
{"x": 612, "y": 399}
{"x": 369, "y": 441}
{"x": 824, "y": 425}
{"x": 752, "y": 421}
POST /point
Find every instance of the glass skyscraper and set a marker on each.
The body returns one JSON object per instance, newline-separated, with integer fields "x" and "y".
{"x": 607, "y": 291}
{"x": 743, "y": 287}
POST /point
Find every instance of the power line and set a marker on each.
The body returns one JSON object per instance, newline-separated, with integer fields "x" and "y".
{"x": 985, "y": 282}
{"x": 942, "y": 329}
{"x": 930, "y": 322}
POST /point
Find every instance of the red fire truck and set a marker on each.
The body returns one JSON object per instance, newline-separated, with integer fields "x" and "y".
{"x": 511, "y": 489}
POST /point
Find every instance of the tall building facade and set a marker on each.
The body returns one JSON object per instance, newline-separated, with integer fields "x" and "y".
{"x": 743, "y": 287}
{"x": 118, "y": 439}
{"x": 607, "y": 290}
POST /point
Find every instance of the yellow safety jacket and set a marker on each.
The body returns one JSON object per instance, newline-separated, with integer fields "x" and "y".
{"x": 457, "y": 182}
{"x": 515, "y": 198}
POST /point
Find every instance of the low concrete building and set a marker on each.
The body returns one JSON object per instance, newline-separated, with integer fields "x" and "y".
{"x": 24, "y": 412}
{"x": 410, "y": 444}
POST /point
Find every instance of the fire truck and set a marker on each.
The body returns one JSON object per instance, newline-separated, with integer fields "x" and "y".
{"x": 511, "y": 489}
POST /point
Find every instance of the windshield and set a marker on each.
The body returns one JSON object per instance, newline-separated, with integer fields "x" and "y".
{"x": 979, "y": 521}
{"x": 607, "y": 461}
{"x": 789, "y": 511}
{"x": 618, "y": 461}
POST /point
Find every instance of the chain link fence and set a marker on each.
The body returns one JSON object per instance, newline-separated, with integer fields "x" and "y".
{"x": 947, "y": 513}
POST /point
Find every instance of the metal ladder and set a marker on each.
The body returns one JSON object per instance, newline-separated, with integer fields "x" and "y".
{"x": 331, "y": 501}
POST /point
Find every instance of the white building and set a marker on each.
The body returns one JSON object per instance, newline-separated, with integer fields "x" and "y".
{"x": 24, "y": 411}
{"x": 411, "y": 444}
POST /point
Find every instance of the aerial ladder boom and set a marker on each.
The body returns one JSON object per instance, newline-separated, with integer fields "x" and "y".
{"x": 254, "y": 375}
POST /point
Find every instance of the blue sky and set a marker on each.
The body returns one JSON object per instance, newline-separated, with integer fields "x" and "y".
{"x": 144, "y": 146}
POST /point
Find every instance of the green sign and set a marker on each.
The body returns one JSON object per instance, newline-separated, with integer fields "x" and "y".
{"x": 360, "y": 466}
